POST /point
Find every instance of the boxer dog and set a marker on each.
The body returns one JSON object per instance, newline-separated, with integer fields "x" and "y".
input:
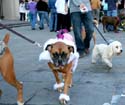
{"x": 63, "y": 58}
{"x": 110, "y": 20}
{"x": 7, "y": 68}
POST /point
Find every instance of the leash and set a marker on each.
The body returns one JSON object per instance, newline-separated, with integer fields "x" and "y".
{"x": 31, "y": 97}
{"x": 20, "y": 35}
{"x": 101, "y": 35}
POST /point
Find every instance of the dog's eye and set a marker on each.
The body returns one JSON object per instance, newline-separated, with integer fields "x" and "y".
{"x": 117, "y": 47}
{"x": 55, "y": 55}
{"x": 63, "y": 55}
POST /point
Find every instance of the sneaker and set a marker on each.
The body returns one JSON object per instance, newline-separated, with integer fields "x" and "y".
{"x": 81, "y": 55}
{"x": 33, "y": 28}
{"x": 41, "y": 28}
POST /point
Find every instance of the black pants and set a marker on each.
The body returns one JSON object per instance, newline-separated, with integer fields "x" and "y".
{"x": 63, "y": 21}
{"x": 22, "y": 16}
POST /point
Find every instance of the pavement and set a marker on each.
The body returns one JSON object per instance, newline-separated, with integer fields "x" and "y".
{"x": 93, "y": 84}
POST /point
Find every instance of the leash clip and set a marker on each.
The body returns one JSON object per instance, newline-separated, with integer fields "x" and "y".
{"x": 38, "y": 44}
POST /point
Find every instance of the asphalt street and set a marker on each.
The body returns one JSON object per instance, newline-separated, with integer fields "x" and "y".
{"x": 93, "y": 84}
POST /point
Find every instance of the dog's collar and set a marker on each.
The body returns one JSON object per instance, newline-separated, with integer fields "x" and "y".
{"x": 2, "y": 48}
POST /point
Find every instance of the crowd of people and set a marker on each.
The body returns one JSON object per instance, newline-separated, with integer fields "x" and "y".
{"x": 69, "y": 14}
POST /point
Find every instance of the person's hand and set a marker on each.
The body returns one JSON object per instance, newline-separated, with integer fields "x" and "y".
{"x": 83, "y": 8}
{"x": 82, "y": 5}
{"x": 118, "y": 3}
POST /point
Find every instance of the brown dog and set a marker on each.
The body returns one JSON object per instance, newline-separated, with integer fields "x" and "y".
{"x": 60, "y": 54}
{"x": 62, "y": 57}
{"x": 110, "y": 20}
{"x": 7, "y": 69}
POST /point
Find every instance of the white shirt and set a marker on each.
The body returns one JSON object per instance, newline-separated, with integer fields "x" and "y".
{"x": 22, "y": 8}
{"x": 60, "y": 6}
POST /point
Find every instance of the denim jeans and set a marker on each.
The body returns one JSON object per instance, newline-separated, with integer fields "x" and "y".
{"x": 112, "y": 13}
{"x": 43, "y": 15}
{"x": 33, "y": 19}
{"x": 53, "y": 20}
{"x": 86, "y": 19}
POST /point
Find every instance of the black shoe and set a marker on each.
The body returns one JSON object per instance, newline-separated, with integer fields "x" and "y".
{"x": 41, "y": 28}
{"x": 51, "y": 30}
{"x": 33, "y": 28}
{"x": 81, "y": 55}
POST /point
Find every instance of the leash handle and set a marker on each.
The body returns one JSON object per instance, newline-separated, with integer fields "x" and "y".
{"x": 38, "y": 44}
{"x": 101, "y": 35}
{"x": 4, "y": 26}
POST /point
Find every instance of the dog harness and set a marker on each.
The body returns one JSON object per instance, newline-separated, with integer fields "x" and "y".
{"x": 2, "y": 48}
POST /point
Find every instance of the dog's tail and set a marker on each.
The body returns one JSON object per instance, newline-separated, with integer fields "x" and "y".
{"x": 6, "y": 38}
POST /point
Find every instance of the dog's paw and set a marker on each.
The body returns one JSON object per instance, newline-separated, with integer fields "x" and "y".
{"x": 106, "y": 104}
{"x": 63, "y": 102}
{"x": 71, "y": 85}
{"x": 93, "y": 62}
{"x": 21, "y": 82}
{"x": 58, "y": 87}
{"x": 20, "y": 103}
{"x": 64, "y": 98}
{"x": 110, "y": 65}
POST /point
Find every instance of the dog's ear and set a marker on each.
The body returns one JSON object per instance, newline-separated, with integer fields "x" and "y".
{"x": 110, "y": 50}
{"x": 6, "y": 38}
{"x": 49, "y": 47}
{"x": 71, "y": 49}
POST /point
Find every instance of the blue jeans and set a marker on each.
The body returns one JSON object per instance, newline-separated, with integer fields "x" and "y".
{"x": 86, "y": 19}
{"x": 53, "y": 20}
{"x": 42, "y": 15}
{"x": 112, "y": 13}
{"x": 33, "y": 17}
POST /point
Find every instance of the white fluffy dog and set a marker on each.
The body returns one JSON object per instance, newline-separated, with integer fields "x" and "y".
{"x": 106, "y": 52}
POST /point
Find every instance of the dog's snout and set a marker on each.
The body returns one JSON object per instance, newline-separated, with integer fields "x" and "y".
{"x": 121, "y": 51}
{"x": 60, "y": 61}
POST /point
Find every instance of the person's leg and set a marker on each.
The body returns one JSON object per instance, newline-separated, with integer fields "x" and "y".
{"x": 59, "y": 19}
{"x": 55, "y": 21}
{"x": 105, "y": 12}
{"x": 77, "y": 27}
{"x": 51, "y": 22}
{"x": 46, "y": 17}
{"x": 31, "y": 18}
{"x": 64, "y": 22}
{"x": 24, "y": 16}
{"x": 108, "y": 26}
{"x": 109, "y": 13}
{"x": 34, "y": 20}
{"x": 93, "y": 13}
{"x": 89, "y": 28}
{"x": 97, "y": 14}
{"x": 41, "y": 16}
{"x": 114, "y": 13}
{"x": 20, "y": 16}
{"x": 68, "y": 21}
